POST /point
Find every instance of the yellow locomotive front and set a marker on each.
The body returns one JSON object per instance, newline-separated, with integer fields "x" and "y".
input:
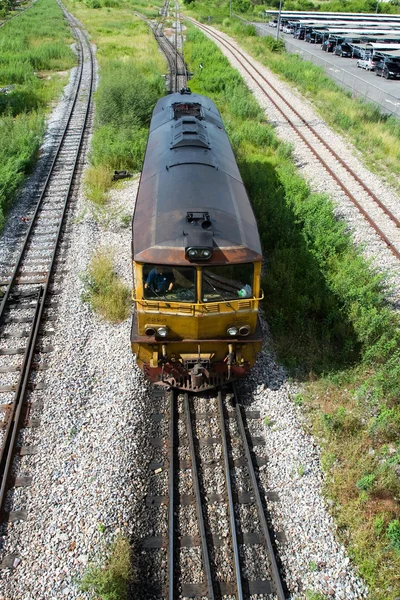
{"x": 198, "y": 327}
{"x": 196, "y": 253}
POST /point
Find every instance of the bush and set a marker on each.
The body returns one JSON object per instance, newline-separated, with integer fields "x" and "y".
{"x": 104, "y": 291}
{"x": 111, "y": 581}
{"x": 125, "y": 98}
{"x": 366, "y": 482}
{"x": 394, "y": 534}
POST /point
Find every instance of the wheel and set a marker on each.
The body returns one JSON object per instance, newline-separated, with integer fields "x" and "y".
{"x": 386, "y": 75}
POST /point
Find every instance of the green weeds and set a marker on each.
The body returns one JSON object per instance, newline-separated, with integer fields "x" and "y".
{"x": 32, "y": 49}
{"x": 104, "y": 290}
{"x": 130, "y": 85}
{"x": 111, "y": 581}
{"x": 329, "y": 319}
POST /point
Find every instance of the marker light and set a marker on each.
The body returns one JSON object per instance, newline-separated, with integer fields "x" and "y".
{"x": 244, "y": 330}
{"x": 198, "y": 253}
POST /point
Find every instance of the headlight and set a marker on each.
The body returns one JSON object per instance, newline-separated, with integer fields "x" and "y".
{"x": 162, "y": 331}
{"x": 232, "y": 331}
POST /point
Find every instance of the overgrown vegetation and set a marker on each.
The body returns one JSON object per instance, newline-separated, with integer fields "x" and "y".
{"x": 104, "y": 290}
{"x": 376, "y": 136}
{"x": 111, "y": 581}
{"x": 330, "y": 323}
{"x": 33, "y": 49}
{"x": 130, "y": 84}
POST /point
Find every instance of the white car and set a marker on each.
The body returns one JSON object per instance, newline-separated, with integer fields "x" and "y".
{"x": 288, "y": 29}
{"x": 368, "y": 64}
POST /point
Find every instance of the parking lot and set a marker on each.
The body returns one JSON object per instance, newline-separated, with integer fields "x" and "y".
{"x": 361, "y": 83}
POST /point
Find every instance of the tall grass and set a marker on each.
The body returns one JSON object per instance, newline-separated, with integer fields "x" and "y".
{"x": 327, "y": 312}
{"x": 104, "y": 290}
{"x": 130, "y": 84}
{"x": 111, "y": 582}
{"x": 37, "y": 40}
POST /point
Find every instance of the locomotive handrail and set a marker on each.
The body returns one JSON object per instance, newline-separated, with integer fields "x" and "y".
{"x": 186, "y": 304}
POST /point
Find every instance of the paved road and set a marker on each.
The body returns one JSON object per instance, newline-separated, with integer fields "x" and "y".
{"x": 361, "y": 83}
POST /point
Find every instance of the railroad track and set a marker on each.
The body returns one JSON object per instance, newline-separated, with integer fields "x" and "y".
{"x": 178, "y": 76}
{"x": 20, "y": 12}
{"x": 217, "y": 542}
{"x": 384, "y": 220}
{"x": 28, "y": 291}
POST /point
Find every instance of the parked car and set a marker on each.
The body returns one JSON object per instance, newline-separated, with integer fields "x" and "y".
{"x": 299, "y": 35}
{"x": 388, "y": 69}
{"x": 368, "y": 63}
{"x": 327, "y": 46}
{"x": 288, "y": 29}
{"x": 343, "y": 50}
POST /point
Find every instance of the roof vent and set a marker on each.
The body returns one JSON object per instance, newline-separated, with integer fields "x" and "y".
{"x": 188, "y": 131}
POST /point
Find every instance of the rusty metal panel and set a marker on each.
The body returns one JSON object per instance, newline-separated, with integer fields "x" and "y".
{"x": 177, "y": 179}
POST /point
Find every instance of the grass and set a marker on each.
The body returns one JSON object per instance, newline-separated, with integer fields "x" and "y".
{"x": 376, "y": 136}
{"x": 330, "y": 323}
{"x": 325, "y": 305}
{"x": 131, "y": 82}
{"x": 111, "y": 581}
{"x": 104, "y": 291}
{"x": 38, "y": 40}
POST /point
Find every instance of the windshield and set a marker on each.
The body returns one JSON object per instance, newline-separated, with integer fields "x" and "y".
{"x": 229, "y": 282}
{"x": 393, "y": 66}
{"x": 177, "y": 284}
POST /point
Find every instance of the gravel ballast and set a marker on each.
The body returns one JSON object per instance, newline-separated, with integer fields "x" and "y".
{"x": 91, "y": 472}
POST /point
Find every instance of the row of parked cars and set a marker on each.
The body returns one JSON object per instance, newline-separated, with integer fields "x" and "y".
{"x": 383, "y": 67}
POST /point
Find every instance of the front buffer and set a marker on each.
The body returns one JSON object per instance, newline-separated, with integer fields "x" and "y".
{"x": 195, "y": 365}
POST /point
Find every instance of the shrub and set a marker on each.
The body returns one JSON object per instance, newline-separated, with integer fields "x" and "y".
{"x": 111, "y": 581}
{"x": 125, "y": 98}
{"x": 104, "y": 291}
{"x": 394, "y": 534}
{"x": 366, "y": 482}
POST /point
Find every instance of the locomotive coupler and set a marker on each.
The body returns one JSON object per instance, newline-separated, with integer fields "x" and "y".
{"x": 196, "y": 375}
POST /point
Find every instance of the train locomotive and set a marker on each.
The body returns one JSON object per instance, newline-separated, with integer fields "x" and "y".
{"x": 196, "y": 253}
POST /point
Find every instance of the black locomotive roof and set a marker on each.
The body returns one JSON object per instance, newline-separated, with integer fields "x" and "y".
{"x": 189, "y": 167}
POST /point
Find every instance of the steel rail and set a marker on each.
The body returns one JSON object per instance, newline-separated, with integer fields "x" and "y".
{"x": 176, "y": 62}
{"x": 235, "y": 544}
{"x": 43, "y": 193}
{"x": 171, "y": 514}
{"x": 9, "y": 440}
{"x": 275, "y": 571}
{"x": 7, "y": 448}
{"x": 349, "y": 194}
{"x": 199, "y": 507}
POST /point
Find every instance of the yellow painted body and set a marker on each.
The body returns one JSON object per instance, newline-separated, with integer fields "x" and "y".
{"x": 195, "y": 328}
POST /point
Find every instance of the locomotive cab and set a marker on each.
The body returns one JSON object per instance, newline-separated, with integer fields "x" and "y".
{"x": 196, "y": 326}
{"x": 196, "y": 253}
